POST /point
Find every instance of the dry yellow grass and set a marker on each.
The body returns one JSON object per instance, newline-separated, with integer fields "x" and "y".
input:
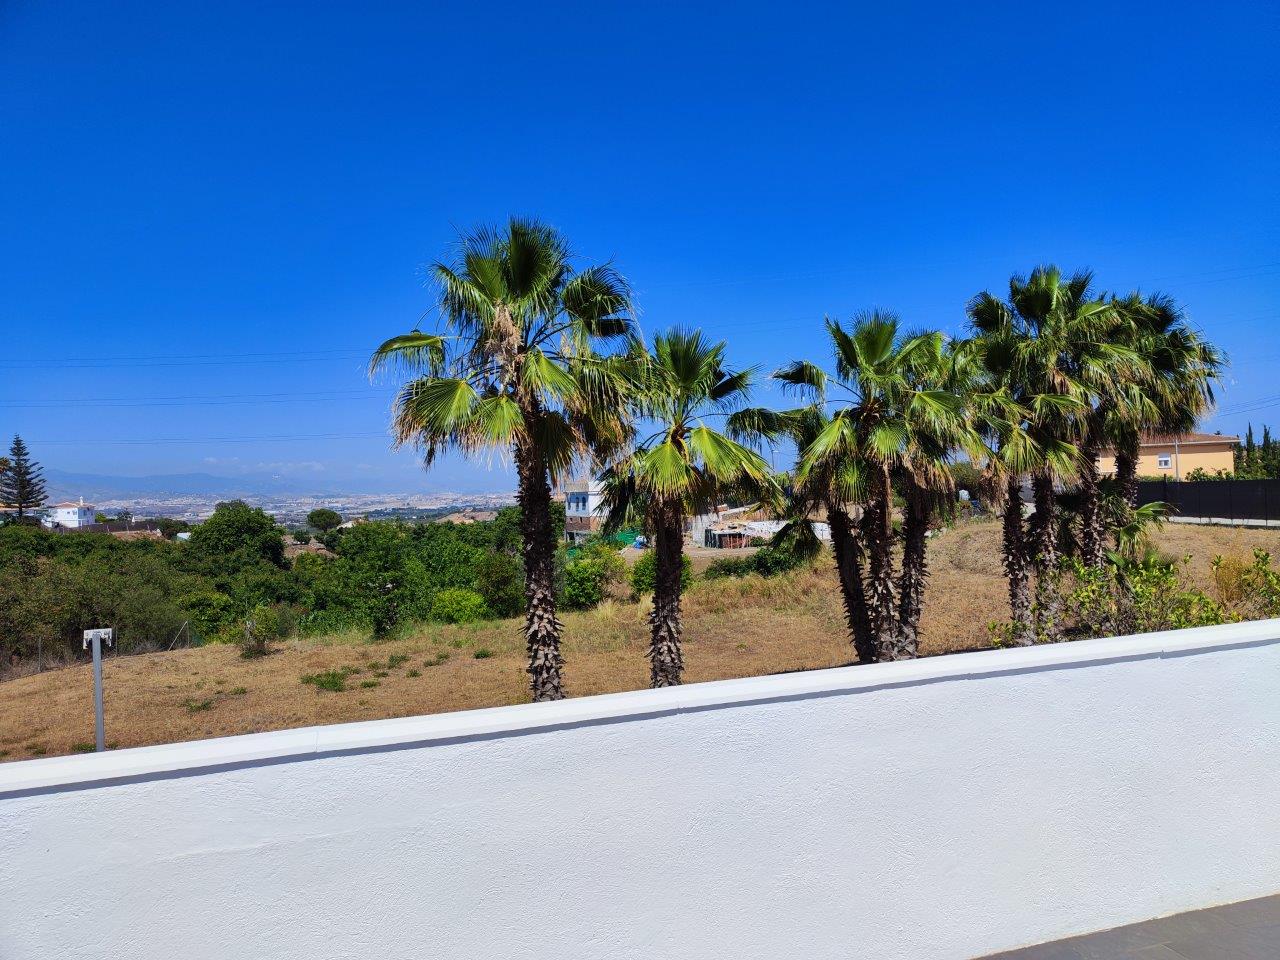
{"x": 734, "y": 628}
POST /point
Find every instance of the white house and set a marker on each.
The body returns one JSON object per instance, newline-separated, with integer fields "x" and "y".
{"x": 583, "y": 509}
{"x": 70, "y": 514}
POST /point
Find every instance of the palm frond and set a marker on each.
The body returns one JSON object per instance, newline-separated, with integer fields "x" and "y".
{"x": 412, "y": 353}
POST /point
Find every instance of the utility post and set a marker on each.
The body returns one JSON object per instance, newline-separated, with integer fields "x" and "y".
{"x": 95, "y": 639}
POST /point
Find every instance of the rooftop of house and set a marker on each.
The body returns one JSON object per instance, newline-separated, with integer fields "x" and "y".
{"x": 1185, "y": 439}
{"x": 1190, "y": 439}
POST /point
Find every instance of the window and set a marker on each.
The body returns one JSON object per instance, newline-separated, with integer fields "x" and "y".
{"x": 1164, "y": 461}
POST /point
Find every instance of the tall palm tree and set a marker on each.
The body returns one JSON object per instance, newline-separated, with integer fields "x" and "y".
{"x": 1052, "y": 334}
{"x": 1005, "y": 416}
{"x": 926, "y": 479}
{"x": 1178, "y": 388}
{"x": 885, "y": 406}
{"x": 836, "y": 490}
{"x": 683, "y": 467}
{"x": 515, "y": 370}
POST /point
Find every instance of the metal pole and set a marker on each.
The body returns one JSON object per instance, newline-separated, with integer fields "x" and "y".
{"x": 100, "y": 724}
{"x": 96, "y": 638}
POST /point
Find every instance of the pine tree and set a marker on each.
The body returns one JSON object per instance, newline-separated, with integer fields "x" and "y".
{"x": 22, "y": 484}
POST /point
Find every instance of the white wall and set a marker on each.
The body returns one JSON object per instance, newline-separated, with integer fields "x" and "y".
{"x": 938, "y": 809}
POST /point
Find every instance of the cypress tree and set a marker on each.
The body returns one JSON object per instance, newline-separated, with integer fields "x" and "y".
{"x": 22, "y": 484}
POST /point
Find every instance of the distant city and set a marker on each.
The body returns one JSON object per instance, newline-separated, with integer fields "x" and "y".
{"x": 193, "y": 497}
{"x": 291, "y": 509}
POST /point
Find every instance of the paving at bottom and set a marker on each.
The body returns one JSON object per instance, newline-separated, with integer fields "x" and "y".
{"x": 1239, "y": 931}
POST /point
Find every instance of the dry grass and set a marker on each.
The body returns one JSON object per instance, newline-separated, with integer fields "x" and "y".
{"x": 734, "y": 628}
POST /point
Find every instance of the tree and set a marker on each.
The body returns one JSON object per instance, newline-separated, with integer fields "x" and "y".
{"x": 1051, "y": 348}
{"x": 237, "y": 536}
{"x": 516, "y": 370}
{"x": 682, "y": 468}
{"x": 835, "y": 488}
{"x": 1174, "y": 390}
{"x": 925, "y": 476}
{"x": 891, "y": 415}
{"x": 1014, "y": 416}
{"x": 22, "y": 481}
{"x": 324, "y": 519}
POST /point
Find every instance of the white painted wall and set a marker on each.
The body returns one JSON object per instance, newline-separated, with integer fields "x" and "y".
{"x": 938, "y": 809}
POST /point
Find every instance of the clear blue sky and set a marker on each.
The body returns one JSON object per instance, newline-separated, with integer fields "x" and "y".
{"x": 246, "y": 193}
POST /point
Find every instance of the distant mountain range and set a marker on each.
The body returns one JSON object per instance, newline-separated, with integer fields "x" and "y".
{"x": 64, "y": 484}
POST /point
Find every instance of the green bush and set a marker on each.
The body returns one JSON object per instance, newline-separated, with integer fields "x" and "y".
{"x": 645, "y": 573}
{"x": 1141, "y": 595}
{"x": 500, "y": 580}
{"x": 264, "y": 625}
{"x": 767, "y": 562}
{"x": 723, "y": 567}
{"x": 334, "y": 681}
{"x": 607, "y": 551}
{"x": 456, "y": 605}
{"x": 584, "y": 582}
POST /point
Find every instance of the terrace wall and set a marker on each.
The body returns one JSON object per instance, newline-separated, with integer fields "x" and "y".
{"x": 943, "y": 808}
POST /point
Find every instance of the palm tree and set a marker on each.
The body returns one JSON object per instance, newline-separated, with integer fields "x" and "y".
{"x": 515, "y": 371}
{"x": 683, "y": 467}
{"x": 1177, "y": 390}
{"x": 926, "y": 479}
{"x": 887, "y": 408}
{"x": 1051, "y": 338}
{"x": 835, "y": 490}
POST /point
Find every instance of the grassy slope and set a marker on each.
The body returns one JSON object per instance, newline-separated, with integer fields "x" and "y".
{"x": 734, "y": 629}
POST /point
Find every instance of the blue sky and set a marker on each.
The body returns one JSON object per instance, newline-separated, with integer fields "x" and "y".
{"x": 211, "y": 212}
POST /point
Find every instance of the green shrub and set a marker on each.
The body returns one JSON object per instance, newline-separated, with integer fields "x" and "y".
{"x": 301, "y": 536}
{"x": 723, "y": 567}
{"x": 645, "y": 573}
{"x": 500, "y": 580}
{"x": 1140, "y": 595}
{"x": 483, "y": 654}
{"x": 584, "y": 582}
{"x": 608, "y": 553}
{"x": 264, "y": 625}
{"x": 768, "y": 561}
{"x": 332, "y": 680}
{"x": 456, "y": 605}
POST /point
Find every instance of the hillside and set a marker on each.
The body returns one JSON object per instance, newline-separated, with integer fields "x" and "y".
{"x": 734, "y": 628}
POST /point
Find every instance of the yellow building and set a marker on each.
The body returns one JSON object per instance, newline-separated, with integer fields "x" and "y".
{"x": 1176, "y": 456}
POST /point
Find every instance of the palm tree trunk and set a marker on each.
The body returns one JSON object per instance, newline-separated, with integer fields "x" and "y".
{"x": 1092, "y": 530}
{"x": 879, "y": 528}
{"x": 915, "y": 570}
{"x": 846, "y": 544}
{"x": 1017, "y": 567}
{"x": 1127, "y": 470}
{"x": 665, "y": 660}
{"x": 541, "y": 626}
{"x": 1045, "y": 534}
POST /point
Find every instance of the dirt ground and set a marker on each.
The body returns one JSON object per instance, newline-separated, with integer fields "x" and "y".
{"x": 734, "y": 628}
